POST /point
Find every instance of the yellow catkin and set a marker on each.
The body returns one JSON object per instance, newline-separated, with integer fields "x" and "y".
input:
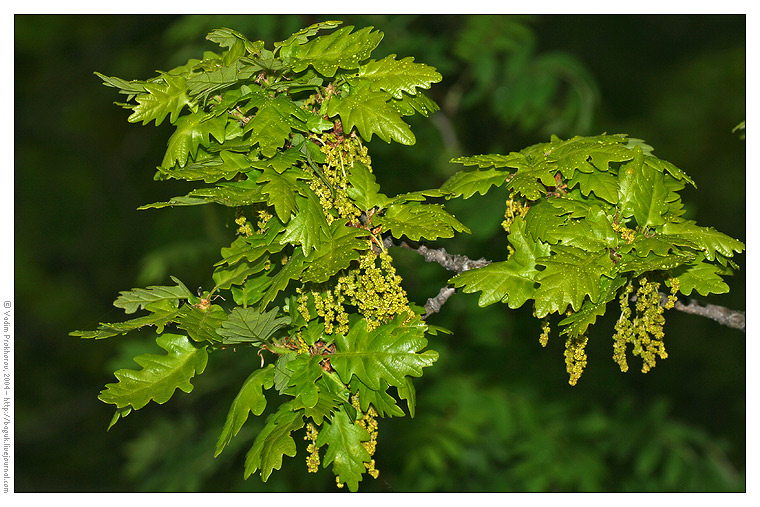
{"x": 312, "y": 460}
{"x": 545, "y": 329}
{"x": 575, "y": 358}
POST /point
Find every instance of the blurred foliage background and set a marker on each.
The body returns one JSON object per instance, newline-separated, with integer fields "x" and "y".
{"x": 496, "y": 412}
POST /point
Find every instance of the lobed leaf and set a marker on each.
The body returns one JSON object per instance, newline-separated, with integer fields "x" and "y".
{"x": 415, "y": 221}
{"x": 466, "y": 183}
{"x": 136, "y": 299}
{"x": 338, "y": 50}
{"x": 398, "y": 76}
{"x": 160, "y": 376}
{"x": 164, "y": 99}
{"x": 248, "y": 325}
{"x": 274, "y": 442}
{"x": 388, "y": 353}
{"x": 250, "y": 399}
{"x": 342, "y": 246}
{"x": 370, "y": 113}
{"x": 344, "y": 449}
{"x": 569, "y": 276}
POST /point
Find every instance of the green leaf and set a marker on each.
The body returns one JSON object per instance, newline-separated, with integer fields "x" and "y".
{"x": 251, "y": 291}
{"x": 342, "y": 246}
{"x": 193, "y": 130}
{"x": 370, "y": 113}
{"x": 364, "y": 189}
{"x": 643, "y": 194}
{"x": 291, "y": 270}
{"x": 274, "y": 442}
{"x": 129, "y": 88}
{"x": 282, "y": 189}
{"x": 415, "y": 221}
{"x": 383, "y": 402}
{"x": 302, "y": 36}
{"x": 603, "y": 184}
{"x": 271, "y": 126}
{"x": 543, "y": 220}
{"x": 398, "y": 76}
{"x": 161, "y": 375}
{"x": 250, "y": 399}
{"x": 344, "y": 449}
{"x": 571, "y": 274}
{"x": 201, "y": 325}
{"x": 512, "y": 281}
{"x": 578, "y": 322}
{"x": 485, "y": 161}
{"x": 408, "y": 105}
{"x": 136, "y": 299}
{"x": 531, "y": 177}
{"x": 161, "y": 99}
{"x": 253, "y": 247}
{"x": 338, "y": 50}
{"x": 281, "y": 162}
{"x": 707, "y": 239}
{"x": 248, "y": 325}
{"x": 204, "y": 84}
{"x": 305, "y": 372}
{"x": 639, "y": 266}
{"x": 588, "y": 154}
{"x": 226, "y": 165}
{"x": 466, "y": 183}
{"x": 226, "y": 277}
{"x": 308, "y": 227}
{"x": 157, "y": 317}
{"x": 700, "y": 276}
{"x": 408, "y": 393}
{"x": 389, "y": 352}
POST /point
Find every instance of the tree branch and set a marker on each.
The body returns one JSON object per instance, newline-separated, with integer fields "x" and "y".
{"x": 460, "y": 263}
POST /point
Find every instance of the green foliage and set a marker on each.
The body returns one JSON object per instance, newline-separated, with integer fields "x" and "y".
{"x": 309, "y": 280}
{"x": 586, "y": 217}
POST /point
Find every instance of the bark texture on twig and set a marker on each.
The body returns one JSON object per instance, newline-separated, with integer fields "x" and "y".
{"x": 735, "y": 319}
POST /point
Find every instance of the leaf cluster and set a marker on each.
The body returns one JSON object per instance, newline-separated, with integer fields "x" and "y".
{"x": 260, "y": 126}
{"x": 595, "y": 213}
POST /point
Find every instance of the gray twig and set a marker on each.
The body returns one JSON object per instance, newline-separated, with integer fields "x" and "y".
{"x": 460, "y": 263}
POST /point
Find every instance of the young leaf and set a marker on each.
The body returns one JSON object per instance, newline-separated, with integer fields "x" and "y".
{"x": 336, "y": 252}
{"x": 273, "y": 442}
{"x": 161, "y": 375}
{"x": 248, "y": 325}
{"x": 398, "y": 76}
{"x": 250, "y": 399}
{"x": 157, "y": 317}
{"x": 389, "y": 352}
{"x": 308, "y": 227}
{"x": 578, "y": 322}
{"x": 136, "y": 299}
{"x": 193, "y": 130}
{"x": 512, "y": 281}
{"x": 201, "y": 325}
{"x": 415, "y": 221}
{"x": 344, "y": 448}
{"x": 643, "y": 194}
{"x": 306, "y": 371}
{"x": 281, "y": 190}
{"x": 369, "y": 112}
{"x": 707, "y": 239}
{"x": 571, "y": 274}
{"x": 466, "y": 183}
{"x": 291, "y": 270}
{"x": 700, "y": 276}
{"x": 340, "y": 49}
{"x": 364, "y": 189}
{"x": 161, "y": 99}
{"x": 271, "y": 126}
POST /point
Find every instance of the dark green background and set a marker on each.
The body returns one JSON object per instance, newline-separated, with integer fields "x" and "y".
{"x": 496, "y": 412}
